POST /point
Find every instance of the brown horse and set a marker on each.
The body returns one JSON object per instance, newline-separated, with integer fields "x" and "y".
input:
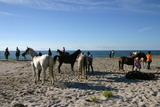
{"x": 130, "y": 60}
{"x": 63, "y": 58}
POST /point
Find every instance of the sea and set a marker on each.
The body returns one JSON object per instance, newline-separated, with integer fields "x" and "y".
{"x": 95, "y": 53}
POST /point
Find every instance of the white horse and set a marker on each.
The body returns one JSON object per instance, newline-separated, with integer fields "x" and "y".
{"x": 135, "y": 53}
{"x": 82, "y": 65}
{"x": 40, "y": 63}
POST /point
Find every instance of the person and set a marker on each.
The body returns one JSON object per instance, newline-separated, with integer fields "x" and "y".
{"x": 137, "y": 64}
{"x": 17, "y": 53}
{"x": 113, "y": 53}
{"x": 89, "y": 61}
{"x": 110, "y": 54}
{"x": 6, "y": 54}
{"x": 49, "y": 52}
{"x": 149, "y": 59}
{"x": 40, "y": 54}
{"x": 64, "y": 50}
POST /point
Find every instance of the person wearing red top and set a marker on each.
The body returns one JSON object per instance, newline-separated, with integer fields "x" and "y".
{"x": 149, "y": 59}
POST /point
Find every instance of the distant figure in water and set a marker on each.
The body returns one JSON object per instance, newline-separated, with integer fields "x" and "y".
{"x": 6, "y": 54}
{"x": 17, "y": 53}
{"x": 49, "y": 52}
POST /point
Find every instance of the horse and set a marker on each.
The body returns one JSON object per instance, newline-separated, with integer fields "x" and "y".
{"x": 40, "y": 63}
{"x": 82, "y": 65}
{"x": 130, "y": 60}
{"x": 71, "y": 59}
{"x": 62, "y": 53}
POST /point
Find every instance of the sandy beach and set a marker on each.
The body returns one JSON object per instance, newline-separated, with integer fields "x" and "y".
{"x": 69, "y": 90}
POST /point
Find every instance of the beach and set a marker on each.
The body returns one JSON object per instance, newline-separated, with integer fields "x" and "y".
{"x": 69, "y": 90}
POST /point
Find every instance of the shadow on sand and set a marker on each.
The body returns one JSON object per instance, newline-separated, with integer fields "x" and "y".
{"x": 87, "y": 86}
{"x": 100, "y": 73}
{"x": 112, "y": 77}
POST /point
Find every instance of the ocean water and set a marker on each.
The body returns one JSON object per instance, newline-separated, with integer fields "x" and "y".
{"x": 95, "y": 54}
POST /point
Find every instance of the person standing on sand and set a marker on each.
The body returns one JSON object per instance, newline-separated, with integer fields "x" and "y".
{"x": 89, "y": 61}
{"x": 49, "y": 52}
{"x": 113, "y": 53}
{"x": 17, "y": 53}
{"x": 110, "y": 54}
{"x": 137, "y": 64}
{"x": 149, "y": 59}
{"x": 6, "y": 54}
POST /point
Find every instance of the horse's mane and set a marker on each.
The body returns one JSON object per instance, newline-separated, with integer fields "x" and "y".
{"x": 76, "y": 52}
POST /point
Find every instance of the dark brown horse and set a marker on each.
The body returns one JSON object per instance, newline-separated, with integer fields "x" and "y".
{"x": 130, "y": 60}
{"x": 63, "y": 58}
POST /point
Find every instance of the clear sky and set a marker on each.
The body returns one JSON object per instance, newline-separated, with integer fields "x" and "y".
{"x": 80, "y": 24}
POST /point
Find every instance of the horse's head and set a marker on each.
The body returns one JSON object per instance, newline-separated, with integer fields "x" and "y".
{"x": 26, "y": 52}
{"x": 78, "y": 51}
{"x": 141, "y": 55}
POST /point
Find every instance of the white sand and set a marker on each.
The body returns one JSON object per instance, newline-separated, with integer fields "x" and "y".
{"x": 17, "y": 86}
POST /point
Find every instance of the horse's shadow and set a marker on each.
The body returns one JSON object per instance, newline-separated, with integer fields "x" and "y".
{"x": 102, "y": 78}
{"x": 98, "y": 73}
{"x": 87, "y": 86}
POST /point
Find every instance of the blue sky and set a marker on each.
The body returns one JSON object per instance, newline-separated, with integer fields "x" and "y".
{"x": 80, "y": 24}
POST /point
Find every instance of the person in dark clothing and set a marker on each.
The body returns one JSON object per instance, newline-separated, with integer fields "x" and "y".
{"x": 49, "y": 52}
{"x": 17, "y": 53}
{"x": 89, "y": 61}
{"x": 110, "y": 54}
{"x": 6, "y": 54}
{"x": 40, "y": 54}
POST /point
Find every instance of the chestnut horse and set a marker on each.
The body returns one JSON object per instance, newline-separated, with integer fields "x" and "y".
{"x": 130, "y": 60}
{"x": 63, "y": 58}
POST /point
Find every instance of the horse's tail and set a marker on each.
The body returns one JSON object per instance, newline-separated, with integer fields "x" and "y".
{"x": 55, "y": 58}
{"x": 120, "y": 62}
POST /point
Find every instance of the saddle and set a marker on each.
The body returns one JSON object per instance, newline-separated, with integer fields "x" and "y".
{"x": 139, "y": 75}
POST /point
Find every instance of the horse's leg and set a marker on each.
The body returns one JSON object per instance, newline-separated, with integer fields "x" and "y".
{"x": 34, "y": 72}
{"x": 59, "y": 66}
{"x": 44, "y": 74}
{"x": 122, "y": 66}
{"x": 51, "y": 71}
{"x": 119, "y": 65}
{"x": 39, "y": 74}
{"x": 72, "y": 65}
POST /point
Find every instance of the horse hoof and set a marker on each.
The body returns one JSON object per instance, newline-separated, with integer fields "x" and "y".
{"x": 42, "y": 83}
